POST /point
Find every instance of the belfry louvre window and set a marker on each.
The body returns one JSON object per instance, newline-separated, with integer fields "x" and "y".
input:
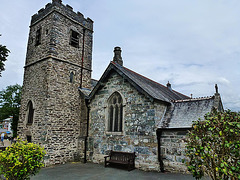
{"x": 74, "y": 39}
{"x": 38, "y": 37}
{"x": 115, "y": 113}
{"x": 30, "y": 112}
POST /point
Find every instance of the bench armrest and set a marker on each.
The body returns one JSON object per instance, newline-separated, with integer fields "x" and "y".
{"x": 131, "y": 160}
{"x": 106, "y": 157}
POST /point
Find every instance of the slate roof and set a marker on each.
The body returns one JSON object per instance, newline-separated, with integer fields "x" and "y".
{"x": 182, "y": 113}
{"x": 142, "y": 84}
{"x": 85, "y": 91}
{"x": 93, "y": 83}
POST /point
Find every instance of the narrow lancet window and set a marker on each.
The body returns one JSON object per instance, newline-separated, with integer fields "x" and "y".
{"x": 29, "y": 139}
{"x": 71, "y": 77}
{"x": 30, "y": 112}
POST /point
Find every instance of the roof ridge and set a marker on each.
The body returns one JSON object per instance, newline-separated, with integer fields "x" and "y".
{"x": 194, "y": 99}
{"x": 145, "y": 77}
{"x": 152, "y": 80}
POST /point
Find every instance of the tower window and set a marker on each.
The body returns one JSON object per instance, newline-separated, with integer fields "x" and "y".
{"x": 29, "y": 139}
{"x": 38, "y": 37}
{"x": 30, "y": 112}
{"x": 115, "y": 113}
{"x": 74, "y": 39}
{"x": 71, "y": 77}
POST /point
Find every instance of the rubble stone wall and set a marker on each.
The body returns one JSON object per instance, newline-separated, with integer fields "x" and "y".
{"x": 173, "y": 150}
{"x": 57, "y": 105}
{"x": 140, "y": 117}
{"x": 59, "y": 121}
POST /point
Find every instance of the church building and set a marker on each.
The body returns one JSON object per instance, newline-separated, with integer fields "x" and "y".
{"x": 77, "y": 118}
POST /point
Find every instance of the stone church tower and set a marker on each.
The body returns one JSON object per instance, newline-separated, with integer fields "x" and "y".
{"x": 58, "y": 64}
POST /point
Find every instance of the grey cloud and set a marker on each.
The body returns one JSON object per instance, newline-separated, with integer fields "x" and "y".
{"x": 194, "y": 44}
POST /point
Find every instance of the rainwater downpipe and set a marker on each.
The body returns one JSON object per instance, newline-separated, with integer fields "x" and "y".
{"x": 81, "y": 78}
{"x": 86, "y": 137}
{"x": 86, "y": 100}
{"x": 159, "y": 135}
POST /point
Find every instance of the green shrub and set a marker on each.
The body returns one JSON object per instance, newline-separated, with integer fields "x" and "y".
{"x": 213, "y": 146}
{"x": 21, "y": 160}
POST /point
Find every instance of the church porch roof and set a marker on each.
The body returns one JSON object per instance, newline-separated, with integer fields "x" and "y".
{"x": 182, "y": 113}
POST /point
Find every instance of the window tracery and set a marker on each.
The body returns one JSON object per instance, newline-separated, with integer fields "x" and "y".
{"x": 115, "y": 113}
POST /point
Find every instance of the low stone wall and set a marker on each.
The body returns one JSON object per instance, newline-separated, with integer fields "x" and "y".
{"x": 173, "y": 150}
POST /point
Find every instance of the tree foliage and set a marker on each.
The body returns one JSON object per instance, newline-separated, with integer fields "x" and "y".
{"x": 21, "y": 160}
{"x": 213, "y": 146}
{"x": 3, "y": 57}
{"x": 10, "y": 99}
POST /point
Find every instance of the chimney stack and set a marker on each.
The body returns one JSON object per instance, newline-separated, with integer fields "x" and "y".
{"x": 117, "y": 56}
{"x": 57, "y": 1}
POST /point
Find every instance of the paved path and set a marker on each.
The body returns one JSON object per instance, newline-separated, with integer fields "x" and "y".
{"x": 6, "y": 143}
{"x": 89, "y": 171}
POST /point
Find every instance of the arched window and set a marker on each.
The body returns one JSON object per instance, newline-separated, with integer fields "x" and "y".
{"x": 29, "y": 138}
{"x": 30, "y": 112}
{"x": 115, "y": 113}
{"x": 71, "y": 77}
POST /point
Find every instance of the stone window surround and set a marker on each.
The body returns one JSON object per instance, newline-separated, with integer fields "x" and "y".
{"x": 107, "y": 116}
{"x": 27, "y": 112}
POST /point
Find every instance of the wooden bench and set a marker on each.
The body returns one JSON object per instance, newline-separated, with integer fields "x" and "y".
{"x": 124, "y": 158}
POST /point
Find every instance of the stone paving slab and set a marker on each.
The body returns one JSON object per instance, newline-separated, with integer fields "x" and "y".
{"x": 6, "y": 143}
{"x": 89, "y": 171}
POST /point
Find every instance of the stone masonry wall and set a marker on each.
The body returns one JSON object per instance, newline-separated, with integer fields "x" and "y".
{"x": 173, "y": 150}
{"x": 57, "y": 109}
{"x": 58, "y": 115}
{"x": 140, "y": 116}
{"x": 55, "y": 38}
{"x": 34, "y": 89}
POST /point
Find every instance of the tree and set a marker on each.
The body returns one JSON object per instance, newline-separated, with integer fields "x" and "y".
{"x": 213, "y": 146}
{"x": 21, "y": 160}
{"x": 10, "y": 104}
{"x": 3, "y": 57}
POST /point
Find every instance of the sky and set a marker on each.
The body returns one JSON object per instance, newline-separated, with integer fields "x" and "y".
{"x": 193, "y": 44}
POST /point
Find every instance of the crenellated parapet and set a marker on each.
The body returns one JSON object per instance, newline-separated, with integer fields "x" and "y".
{"x": 65, "y": 10}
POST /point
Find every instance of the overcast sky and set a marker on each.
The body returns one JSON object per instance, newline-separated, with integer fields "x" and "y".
{"x": 194, "y": 44}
